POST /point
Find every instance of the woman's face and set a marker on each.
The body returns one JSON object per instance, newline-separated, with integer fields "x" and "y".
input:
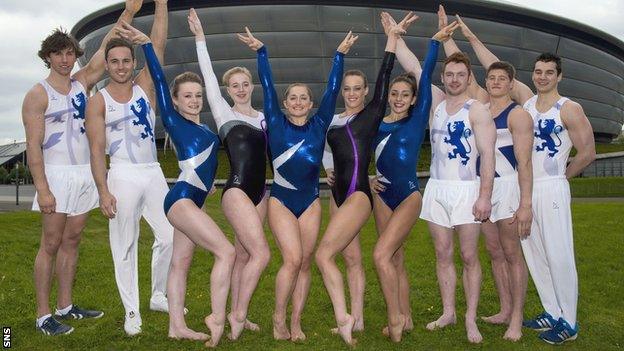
{"x": 298, "y": 102}
{"x": 240, "y": 88}
{"x": 401, "y": 97}
{"x": 189, "y": 100}
{"x": 354, "y": 92}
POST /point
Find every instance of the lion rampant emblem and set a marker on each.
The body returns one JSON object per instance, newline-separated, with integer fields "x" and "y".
{"x": 80, "y": 104}
{"x": 546, "y": 128}
{"x": 142, "y": 113}
{"x": 456, "y": 134}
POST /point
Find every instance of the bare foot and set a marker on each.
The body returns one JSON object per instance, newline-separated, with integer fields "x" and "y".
{"x": 396, "y": 331}
{"x": 249, "y": 325}
{"x": 297, "y": 334}
{"x": 186, "y": 333}
{"x": 236, "y": 327}
{"x": 441, "y": 322}
{"x": 499, "y": 318}
{"x": 280, "y": 331}
{"x": 513, "y": 334}
{"x": 358, "y": 326}
{"x": 409, "y": 324}
{"x": 472, "y": 332}
{"x": 216, "y": 330}
{"x": 345, "y": 328}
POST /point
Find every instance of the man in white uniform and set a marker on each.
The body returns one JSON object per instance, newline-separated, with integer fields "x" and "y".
{"x": 53, "y": 114}
{"x": 120, "y": 122}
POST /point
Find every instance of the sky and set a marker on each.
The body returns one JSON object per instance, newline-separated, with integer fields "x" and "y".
{"x": 24, "y": 23}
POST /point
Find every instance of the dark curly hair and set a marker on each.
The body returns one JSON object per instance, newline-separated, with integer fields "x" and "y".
{"x": 57, "y": 41}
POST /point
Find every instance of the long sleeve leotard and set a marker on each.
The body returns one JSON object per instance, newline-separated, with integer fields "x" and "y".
{"x": 195, "y": 144}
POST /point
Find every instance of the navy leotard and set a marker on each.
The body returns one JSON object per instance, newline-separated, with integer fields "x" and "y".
{"x": 350, "y": 143}
{"x": 296, "y": 151}
{"x": 195, "y": 144}
{"x": 397, "y": 144}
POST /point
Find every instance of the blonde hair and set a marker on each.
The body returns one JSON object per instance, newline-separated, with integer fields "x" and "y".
{"x": 232, "y": 71}
{"x": 297, "y": 85}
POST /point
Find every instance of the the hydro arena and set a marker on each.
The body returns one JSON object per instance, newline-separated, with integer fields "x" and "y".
{"x": 303, "y": 35}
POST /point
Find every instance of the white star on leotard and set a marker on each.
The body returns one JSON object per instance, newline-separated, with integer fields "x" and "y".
{"x": 378, "y": 150}
{"x": 280, "y": 160}
{"x": 189, "y": 165}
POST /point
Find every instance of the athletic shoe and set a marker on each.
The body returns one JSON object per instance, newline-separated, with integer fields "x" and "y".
{"x": 159, "y": 303}
{"x": 79, "y": 313}
{"x": 542, "y": 322}
{"x": 132, "y": 324}
{"x": 53, "y": 327}
{"x": 560, "y": 333}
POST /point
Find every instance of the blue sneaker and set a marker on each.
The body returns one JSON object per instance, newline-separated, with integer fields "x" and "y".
{"x": 542, "y": 322}
{"x": 79, "y": 313}
{"x": 53, "y": 327}
{"x": 560, "y": 333}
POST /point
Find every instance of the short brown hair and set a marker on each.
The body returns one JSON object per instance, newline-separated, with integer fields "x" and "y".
{"x": 116, "y": 43}
{"x": 407, "y": 78}
{"x": 297, "y": 85}
{"x": 232, "y": 71}
{"x": 186, "y": 77}
{"x": 458, "y": 57}
{"x": 358, "y": 73}
{"x": 505, "y": 66}
{"x": 57, "y": 41}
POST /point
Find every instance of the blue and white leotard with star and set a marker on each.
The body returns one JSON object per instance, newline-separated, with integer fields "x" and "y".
{"x": 196, "y": 145}
{"x": 397, "y": 144}
{"x": 297, "y": 151}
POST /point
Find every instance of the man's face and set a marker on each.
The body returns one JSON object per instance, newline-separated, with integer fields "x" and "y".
{"x": 62, "y": 61}
{"x": 120, "y": 64}
{"x": 498, "y": 83}
{"x": 545, "y": 77}
{"x": 455, "y": 78}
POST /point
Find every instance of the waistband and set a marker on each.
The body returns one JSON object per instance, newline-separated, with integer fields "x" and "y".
{"x": 550, "y": 178}
{"x": 466, "y": 183}
{"x": 134, "y": 165}
{"x": 49, "y": 167}
{"x": 509, "y": 177}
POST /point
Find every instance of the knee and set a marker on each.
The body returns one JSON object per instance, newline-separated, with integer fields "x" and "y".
{"x": 470, "y": 257}
{"x": 306, "y": 263}
{"x": 381, "y": 258}
{"x": 444, "y": 257}
{"x": 292, "y": 263}
{"x": 71, "y": 241}
{"x": 322, "y": 258}
{"x": 50, "y": 244}
{"x": 353, "y": 261}
{"x": 263, "y": 257}
{"x": 241, "y": 254}
{"x": 495, "y": 251}
{"x": 226, "y": 254}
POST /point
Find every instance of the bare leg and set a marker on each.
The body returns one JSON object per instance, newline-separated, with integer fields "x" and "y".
{"x": 500, "y": 272}
{"x": 309, "y": 225}
{"x": 67, "y": 258}
{"x": 243, "y": 216}
{"x": 285, "y": 228}
{"x": 390, "y": 240}
{"x": 51, "y": 238}
{"x": 404, "y": 288}
{"x": 181, "y": 259}
{"x": 471, "y": 277}
{"x": 341, "y": 230}
{"x": 445, "y": 270}
{"x": 202, "y": 230}
{"x": 518, "y": 274}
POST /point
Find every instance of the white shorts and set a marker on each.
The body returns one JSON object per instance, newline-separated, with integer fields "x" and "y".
{"x": 73, "y": 188}
{"x": 505, "y": 197}
{"x": 449, "y": 202}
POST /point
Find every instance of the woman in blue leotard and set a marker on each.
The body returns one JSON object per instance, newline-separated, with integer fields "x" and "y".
{"x": 296, "y": 141}
{"x": 397, "y": 201}
{"x": 196, "y": 147}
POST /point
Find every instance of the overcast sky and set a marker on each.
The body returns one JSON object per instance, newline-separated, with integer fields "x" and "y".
{"x": 24, "y": 23}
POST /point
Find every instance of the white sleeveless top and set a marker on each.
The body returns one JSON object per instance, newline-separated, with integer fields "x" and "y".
{"x": 551, "y": 142}
{"x": 130, "y": 129}
{"x": 65, "y": 141}
{"x": 453, "y": 147}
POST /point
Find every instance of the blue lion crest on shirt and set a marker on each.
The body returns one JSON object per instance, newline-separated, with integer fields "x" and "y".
{"x": 456, "y": 134}
{"x": 142, "y": 113}
{"x": 546, "y": 128}
{"x": 80, "y": 104}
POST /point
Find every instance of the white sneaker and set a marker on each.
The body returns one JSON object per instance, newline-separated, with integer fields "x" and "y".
{"x": 159, "y": 303}
{"x": 132, "y": 324}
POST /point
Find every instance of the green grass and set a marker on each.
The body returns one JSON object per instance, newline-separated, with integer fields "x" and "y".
{"x": 598, "y": 242}
{"x": 597, "y": 187}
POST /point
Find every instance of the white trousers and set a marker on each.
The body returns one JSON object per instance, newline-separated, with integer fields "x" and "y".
{"x": 549, "y": 250}
{"x": 140, "y": 192}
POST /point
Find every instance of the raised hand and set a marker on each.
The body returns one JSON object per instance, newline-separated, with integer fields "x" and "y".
{"x": 442, "y": 20}
{"x": 132, "y": 34}
{"x": 407, "y": 21}
{"x": 195, "y": 24}
{"x": 445, "y": 33}
{"x": 133, "y": 6}
{"x": 251, "y": 41}
{"x": 347, "y": 42}
{"x": 387, "y": 21}
{"x": 464, "y": 29}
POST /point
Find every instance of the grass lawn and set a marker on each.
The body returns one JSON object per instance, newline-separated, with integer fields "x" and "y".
{"x": 598, "y": 241}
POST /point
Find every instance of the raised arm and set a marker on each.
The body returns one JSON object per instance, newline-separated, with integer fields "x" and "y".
{"x": 582, "y": 136}
{"x": 485, "y": 137}
{"x": 96, "y": 133}
{"x": 521, "y": 127}
{"x": 520, "y": 92}
{"x": 33, "y": 110}
{"x": 420, "y": 112}
{"x": 218, "y": 105}
{"x": 94, "y": 69}
{"x": 158, "y": 38}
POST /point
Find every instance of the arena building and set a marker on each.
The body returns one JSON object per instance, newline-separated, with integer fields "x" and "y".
{"x": 302, "y": 36}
